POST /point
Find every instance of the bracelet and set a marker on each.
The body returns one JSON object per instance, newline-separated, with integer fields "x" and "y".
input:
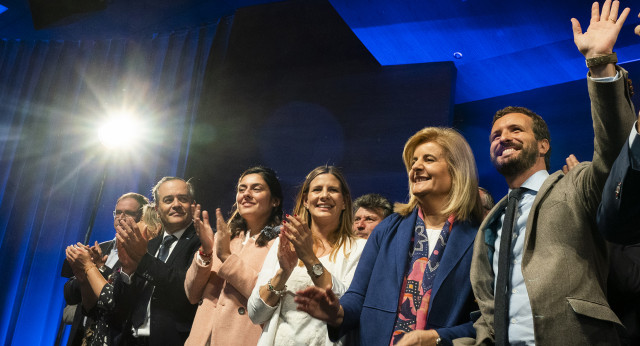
{"x": 204, "y": 260}
{"x": 202, "y": 254}
{"x": 279, "y": 293}
{"x": 602, "y": 60}
{"x": 86, "y": 272}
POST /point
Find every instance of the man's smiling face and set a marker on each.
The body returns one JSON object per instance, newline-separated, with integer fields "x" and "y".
{"x": 514, "y": 148}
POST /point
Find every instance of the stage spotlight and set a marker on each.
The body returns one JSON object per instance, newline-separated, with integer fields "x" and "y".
{"x": 118, "y": 131}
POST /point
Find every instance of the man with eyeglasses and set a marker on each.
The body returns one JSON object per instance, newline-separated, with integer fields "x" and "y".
{"x": 129, "y": 204}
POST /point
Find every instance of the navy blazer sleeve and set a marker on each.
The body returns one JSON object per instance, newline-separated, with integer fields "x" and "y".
{"x": 619, "y": 211}
{"x": 353, "y": 300}
{"x": 625, "y": 269}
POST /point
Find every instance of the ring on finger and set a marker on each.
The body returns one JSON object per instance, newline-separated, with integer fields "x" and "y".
{"x": 613, "y": 20}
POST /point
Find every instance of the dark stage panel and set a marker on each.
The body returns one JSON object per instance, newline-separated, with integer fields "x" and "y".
{"x": 296, "y": 89}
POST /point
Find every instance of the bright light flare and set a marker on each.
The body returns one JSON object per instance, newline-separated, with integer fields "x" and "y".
{"x": 119, "y": 130}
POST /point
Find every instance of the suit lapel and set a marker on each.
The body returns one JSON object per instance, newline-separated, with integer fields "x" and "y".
{"x": 107, "y": 246}
{"x": 535, "y": 208}
{"x": 182, "y": 243}
{"x": 154, "y": 244}
{"x": 495, "y": 213}
{"x": 403, "y": 242}
{"x": 459, "y": 242}
{"x": 492, "y": 218}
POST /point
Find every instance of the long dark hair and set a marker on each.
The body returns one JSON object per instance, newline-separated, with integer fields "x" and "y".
{"x": 237, "y": 224}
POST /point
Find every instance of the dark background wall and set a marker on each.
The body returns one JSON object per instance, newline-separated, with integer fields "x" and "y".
{"x": 295, "y": 90}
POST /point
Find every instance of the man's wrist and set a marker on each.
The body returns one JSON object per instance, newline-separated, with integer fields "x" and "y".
{"x": 603, "y": 71}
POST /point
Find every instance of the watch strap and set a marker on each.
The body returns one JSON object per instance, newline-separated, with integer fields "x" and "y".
{"x": 602, "y": 60}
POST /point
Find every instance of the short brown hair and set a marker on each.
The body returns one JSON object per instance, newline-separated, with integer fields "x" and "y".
{"x": 374, "y": 202}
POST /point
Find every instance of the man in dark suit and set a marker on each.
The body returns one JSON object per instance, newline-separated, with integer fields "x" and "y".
{"x": 619, "y": 212}
{"x": 546, "y": 283}
{"x": 619, "y": 223}
{"x": 161, "y": 313}
{"x": 129, "y": 204}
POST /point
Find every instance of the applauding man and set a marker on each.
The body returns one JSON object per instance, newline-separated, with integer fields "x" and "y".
{"x": 161, "y": 313}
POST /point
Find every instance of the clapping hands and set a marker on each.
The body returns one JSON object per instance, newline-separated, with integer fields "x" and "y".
{"x": 80, "y": 260}
{"x": 297, "y": 232}
{"x": 287, "y": 256}
{"x": 133, "y": 239}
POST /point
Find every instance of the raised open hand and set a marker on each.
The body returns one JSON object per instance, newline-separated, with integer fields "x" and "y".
{"x": 603, "y": 30}
{"x": 203, "y": 229}
{"x": 223, "y": 237}
{"x": 300, "y": 236}
{"x": 286, "y": 255}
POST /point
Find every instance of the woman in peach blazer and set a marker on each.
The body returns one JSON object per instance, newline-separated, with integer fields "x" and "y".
{"x": 225, "y": 270}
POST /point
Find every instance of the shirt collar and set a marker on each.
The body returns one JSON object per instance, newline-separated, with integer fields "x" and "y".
{"x": 177, "y": 234}
{"x": 534, "y": 183}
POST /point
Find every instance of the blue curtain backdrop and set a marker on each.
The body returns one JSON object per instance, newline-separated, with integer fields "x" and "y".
{"x": 53, "y": 94}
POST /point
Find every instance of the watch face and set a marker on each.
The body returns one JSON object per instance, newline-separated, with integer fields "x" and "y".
{"x": 317, "y": 269}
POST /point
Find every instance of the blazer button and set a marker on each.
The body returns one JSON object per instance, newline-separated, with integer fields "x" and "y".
{"x": 241, "y": 310}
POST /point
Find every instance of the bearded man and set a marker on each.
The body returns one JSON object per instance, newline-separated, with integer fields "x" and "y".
{"x": 539, "y": 264}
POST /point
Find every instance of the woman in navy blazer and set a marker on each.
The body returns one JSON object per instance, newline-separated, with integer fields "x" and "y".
{"x": 396, "y": 297}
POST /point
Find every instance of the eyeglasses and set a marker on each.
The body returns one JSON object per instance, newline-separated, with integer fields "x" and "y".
{"x": 133, "y": 214}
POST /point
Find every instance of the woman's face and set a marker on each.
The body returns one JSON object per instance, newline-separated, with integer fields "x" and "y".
{"x": 325, "y": 199}
{"x": 254, "y": 198}
{"x": 429, "y": 174}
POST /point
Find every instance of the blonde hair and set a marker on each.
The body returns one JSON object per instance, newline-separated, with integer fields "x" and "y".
{"x": 344, "y": 232}
{"x": 463, "y": 201}
{"x": 151, "y": 218}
